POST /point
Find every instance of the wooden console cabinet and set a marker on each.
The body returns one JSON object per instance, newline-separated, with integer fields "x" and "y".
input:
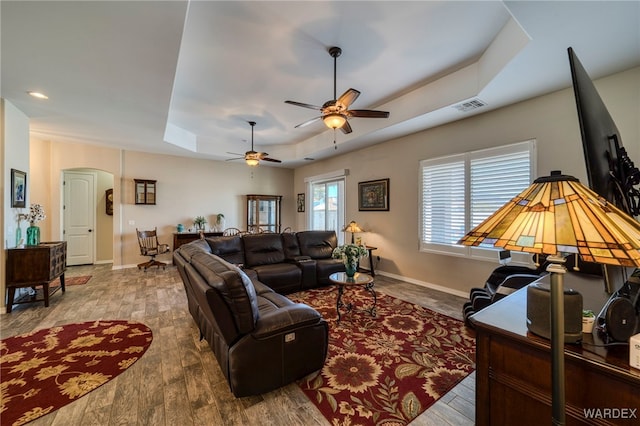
{"x": 513, "y": 377}
{"x": 34, "y": 266}
{"x": 180, "y": 238}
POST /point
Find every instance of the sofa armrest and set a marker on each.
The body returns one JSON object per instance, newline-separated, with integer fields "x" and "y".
{"x": 308, "y": 268}
{"x": 285, "y": 319}
{"x": 516, "y": 282}
{"x": 300, "y": 258}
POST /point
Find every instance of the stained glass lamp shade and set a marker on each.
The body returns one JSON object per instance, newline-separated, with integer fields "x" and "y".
{"x": 352, "y": 227}
{"x": 556, "y": 216}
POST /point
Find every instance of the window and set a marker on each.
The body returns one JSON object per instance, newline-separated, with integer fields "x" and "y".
{"x": 459, "y": 191}
{"x": 326, "y": 211}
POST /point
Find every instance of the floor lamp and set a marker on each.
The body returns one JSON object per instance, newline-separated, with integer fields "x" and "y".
{"x": 557, "y": 216}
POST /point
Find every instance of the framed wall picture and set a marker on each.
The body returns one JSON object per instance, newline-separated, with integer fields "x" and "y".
{"x": 373, "y": 195}
{"x": 301, "y": 203}
{"x": 18, "y": 188}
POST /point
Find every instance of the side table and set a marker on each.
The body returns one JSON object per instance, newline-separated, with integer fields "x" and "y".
{"x": 341, "y": 280}
{"x": 33, "y": 266}
{"x": 370, "y": 250}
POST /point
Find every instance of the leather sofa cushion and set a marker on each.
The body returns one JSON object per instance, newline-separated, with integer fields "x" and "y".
{"x": 326, "y": 267}
{"x": 263, "y": 249}
{"x": 290, "y": 245}
{"x": 269, "y": 302}
{"x": 260, "y": 287}
{"x": 281, "y": 277}
{"x": 317, "y": 244}
{"x": 235, "y": 287}
{"x": 229, "y": 248}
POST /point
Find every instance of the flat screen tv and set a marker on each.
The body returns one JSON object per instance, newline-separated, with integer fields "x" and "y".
{"x": 610, "y": 171}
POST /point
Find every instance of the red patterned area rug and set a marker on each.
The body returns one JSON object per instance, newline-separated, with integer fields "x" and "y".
{"x": 47, "y": 369}
{"x": 387, "y": 369}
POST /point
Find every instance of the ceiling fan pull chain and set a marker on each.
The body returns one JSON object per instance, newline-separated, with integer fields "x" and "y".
{"x": 335, "y": 146}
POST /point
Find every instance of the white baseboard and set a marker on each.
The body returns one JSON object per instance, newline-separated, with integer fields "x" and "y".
{"x": 118, "y": 267}
{"x": 425, "y": 284}
{"x": 102, "y": 262}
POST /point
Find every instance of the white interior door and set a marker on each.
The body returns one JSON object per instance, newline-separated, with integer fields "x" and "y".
{"x": 79, "y": 217}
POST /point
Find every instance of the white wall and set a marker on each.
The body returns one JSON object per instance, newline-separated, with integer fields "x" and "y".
{"x": 16, "y": 139}
{"x": 551, "y": 120}
{"x": 14, "y": 154}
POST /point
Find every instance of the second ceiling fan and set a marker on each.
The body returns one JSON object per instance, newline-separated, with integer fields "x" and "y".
{"x": 252, "y": 158}
{"x": 336, "y": 112}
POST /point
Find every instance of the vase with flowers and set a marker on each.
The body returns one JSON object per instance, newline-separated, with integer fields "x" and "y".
{"x": 350, "y": 255}
{"x": 35, "y": 215}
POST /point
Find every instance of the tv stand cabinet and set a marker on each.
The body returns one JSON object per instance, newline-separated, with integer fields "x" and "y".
{"x": 513, "y": 376}
{"x": 33, "y": 266}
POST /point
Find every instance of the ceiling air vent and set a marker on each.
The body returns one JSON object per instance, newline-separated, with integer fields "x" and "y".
{"x": 470, "y": 105}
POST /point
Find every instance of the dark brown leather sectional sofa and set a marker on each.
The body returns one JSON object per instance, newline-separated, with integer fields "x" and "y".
{"x": 285, "y": 262}
{"x": 261, "y": 339}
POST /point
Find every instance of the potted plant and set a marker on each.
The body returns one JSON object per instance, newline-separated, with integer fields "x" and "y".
{"x": 350, "y": 255}
{"x": 199, "y": 222}
{"x": 220, "y": 222}
{"x": 588, "y": 318}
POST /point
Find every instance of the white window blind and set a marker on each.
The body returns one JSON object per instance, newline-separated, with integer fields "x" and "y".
{"x": 496, "y": 180}
{"x": 458, "y": 192}
{"x": 443, "y": 216}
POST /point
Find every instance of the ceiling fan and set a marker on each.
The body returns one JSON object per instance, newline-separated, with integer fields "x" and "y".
{"x": 252, "y": 158}
{"x": 336, "y": 112}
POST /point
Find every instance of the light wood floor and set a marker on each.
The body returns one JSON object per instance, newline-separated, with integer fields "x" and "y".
{"x": 178, "y": 381}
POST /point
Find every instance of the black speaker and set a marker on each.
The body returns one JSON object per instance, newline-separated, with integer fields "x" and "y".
{"x": 539, "y": 312}
{"x": 618, "y": 318}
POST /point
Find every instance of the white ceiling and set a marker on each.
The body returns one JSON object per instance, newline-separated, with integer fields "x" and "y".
{"x": 138, "y": 75}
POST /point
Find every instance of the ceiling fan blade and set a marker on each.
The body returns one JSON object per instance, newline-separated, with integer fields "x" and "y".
{"x": 300, "y": 104}
{"x": 306, "y": 123}
{"x": 346, "y": 128}
{"x": 367, "y": 113}
{"x": 348, "y": 97}
{"x": 273, "y": 160}
{"x": 231, "y": 159}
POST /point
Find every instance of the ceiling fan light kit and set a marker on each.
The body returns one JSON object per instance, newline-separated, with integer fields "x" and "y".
{"x": 252, "y": 162}
{"x": 334, "y": 120}
{"x": 252, "y": 158}
{"x": 335, "y": 112}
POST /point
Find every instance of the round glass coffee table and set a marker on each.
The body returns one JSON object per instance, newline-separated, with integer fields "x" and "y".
{"x": 341, "y": 280}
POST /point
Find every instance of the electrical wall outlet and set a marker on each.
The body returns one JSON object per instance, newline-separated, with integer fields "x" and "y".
{"x": 634, "y": 351}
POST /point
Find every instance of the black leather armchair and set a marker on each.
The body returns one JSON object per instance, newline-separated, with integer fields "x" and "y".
{"x": 503, "y": 281}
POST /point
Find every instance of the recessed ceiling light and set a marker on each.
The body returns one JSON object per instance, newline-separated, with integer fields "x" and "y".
{"x": 38, "y": 95}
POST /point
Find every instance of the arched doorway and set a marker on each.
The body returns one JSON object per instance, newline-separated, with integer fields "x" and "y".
{"x": 86, "y": 219}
